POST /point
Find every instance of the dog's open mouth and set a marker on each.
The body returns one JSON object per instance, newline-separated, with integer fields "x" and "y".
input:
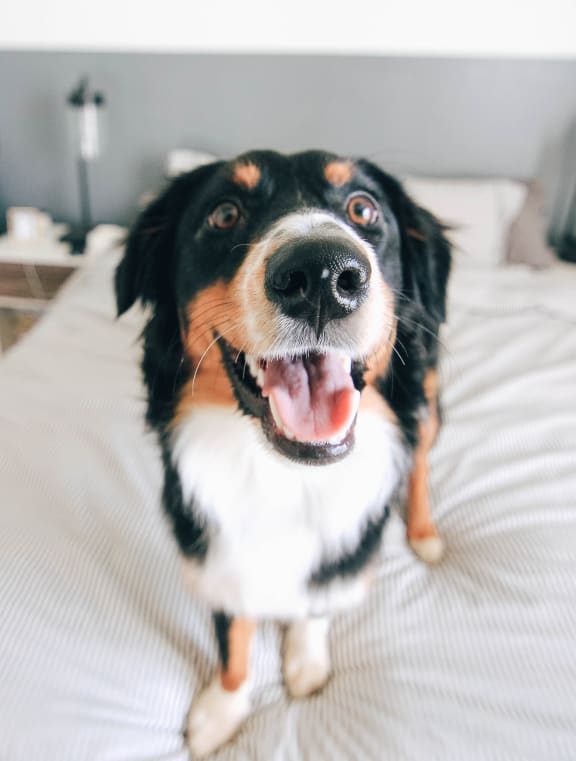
{"x": 307, "y": 403}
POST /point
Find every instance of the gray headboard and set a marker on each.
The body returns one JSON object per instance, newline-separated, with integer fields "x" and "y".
{"x": 426, "y": 115}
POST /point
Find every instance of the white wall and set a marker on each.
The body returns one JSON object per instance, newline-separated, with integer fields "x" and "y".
{"x": 531, "y": 28}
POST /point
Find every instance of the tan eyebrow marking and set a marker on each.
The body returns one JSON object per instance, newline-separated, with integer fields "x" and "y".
{"x": 247, "y": 175}
{"x": 338, "y": 172}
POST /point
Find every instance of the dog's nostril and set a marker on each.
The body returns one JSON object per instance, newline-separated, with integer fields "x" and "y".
{"x": 291, "y": 283}
{"x": 349, "y": 282}
{"x": 317, "y": 280}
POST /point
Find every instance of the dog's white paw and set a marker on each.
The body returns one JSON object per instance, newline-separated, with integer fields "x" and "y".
{"x": 215, "y": 716}
{"x": 306, "y": 657}
{"x": 430, "y": 549}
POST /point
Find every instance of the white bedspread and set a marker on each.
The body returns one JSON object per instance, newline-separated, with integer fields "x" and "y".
{"x": 102, "y": 650}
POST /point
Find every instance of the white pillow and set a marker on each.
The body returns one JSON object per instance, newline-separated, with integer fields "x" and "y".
{"x": 181, "y": 160}
{"x": 479, "y": 211}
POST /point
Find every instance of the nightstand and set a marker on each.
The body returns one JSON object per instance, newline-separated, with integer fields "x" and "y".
{"x": 31, "y": 273}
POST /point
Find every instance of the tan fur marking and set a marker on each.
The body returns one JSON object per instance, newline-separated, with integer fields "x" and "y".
{"x": 247, "y": 175}
{"x": 239, "y": 638}
{"x": 420, "y": 523}
{"x": 378, "y": 363}
{"x": 216, "y": 309}
{"x": 431, "y": 384}
{"x": 338, "y": 173}
{"x": 432, "y": 424}
{"x": 222, "y": 308}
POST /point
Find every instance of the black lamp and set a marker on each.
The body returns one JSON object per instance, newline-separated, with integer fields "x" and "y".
{"x": 86, "y": 106}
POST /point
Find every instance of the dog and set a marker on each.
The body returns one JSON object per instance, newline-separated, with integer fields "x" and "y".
{"x": 290, "y": 360}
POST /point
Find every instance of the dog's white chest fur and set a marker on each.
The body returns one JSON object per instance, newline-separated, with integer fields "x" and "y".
{"x": 271, "y": 521}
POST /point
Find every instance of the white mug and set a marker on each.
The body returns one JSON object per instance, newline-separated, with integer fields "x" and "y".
{"x": 28, "y": 223}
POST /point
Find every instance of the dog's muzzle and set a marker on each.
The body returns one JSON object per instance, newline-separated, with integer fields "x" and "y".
{"x": 306, "y": 393}
{"x": 317, "y": 280}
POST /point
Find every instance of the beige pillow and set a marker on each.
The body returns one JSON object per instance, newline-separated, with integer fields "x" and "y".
{"x": 479, "y": 211}
{"x": 527, "y": 237}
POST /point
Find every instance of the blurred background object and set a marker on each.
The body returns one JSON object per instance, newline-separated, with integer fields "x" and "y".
{"x": 86, "y": 106}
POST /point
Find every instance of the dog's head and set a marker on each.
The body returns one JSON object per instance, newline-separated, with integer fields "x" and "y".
{"x": 285, "y": 276}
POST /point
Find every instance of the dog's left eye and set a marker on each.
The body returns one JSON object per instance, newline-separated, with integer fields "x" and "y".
{"x": 362, "y": 210}
{"x": 225, "y": 216}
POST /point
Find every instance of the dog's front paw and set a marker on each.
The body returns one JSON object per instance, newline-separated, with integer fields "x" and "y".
{"x": 430, "y": 549}
{"x": 215, "y": 716}
{"x": 306, "y": 657}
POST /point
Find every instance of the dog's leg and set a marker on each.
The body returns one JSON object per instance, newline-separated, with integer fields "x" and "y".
{"x": 225, "y": 703}
{"x": 422, "y": 533}
{"x": 306, "y": 656}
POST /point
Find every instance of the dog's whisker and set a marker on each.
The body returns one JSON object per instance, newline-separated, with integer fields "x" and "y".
{"x": 415, "y": 323}
{"x": 395, "y": 350}
{"x": 208, "y": 326}
{"x": 240, "y": 245}
{"x": 177, "y": 375}
{"x": 203, "y": 356}
{"x": 223, "y": 311}
{"x": 207, "y": 330}
{"x": 241, "y": 349}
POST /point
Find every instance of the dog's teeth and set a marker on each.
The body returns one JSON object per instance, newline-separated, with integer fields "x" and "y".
{"x": 346, "y": 362}
{"x": 278, "y": 420}
{"x": 274, "y": 411}
{"x": 252, "y": 364}
{"x": 259, "y": 375}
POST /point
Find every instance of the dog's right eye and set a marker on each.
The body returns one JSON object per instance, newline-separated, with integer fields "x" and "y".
{"x": 225, "y": 216}
{"x": 362, "y": 209}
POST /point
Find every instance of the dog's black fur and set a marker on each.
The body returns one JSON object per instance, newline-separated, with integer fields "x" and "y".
{"x": 178, "y": 259}
{"x": 172, "y": 254}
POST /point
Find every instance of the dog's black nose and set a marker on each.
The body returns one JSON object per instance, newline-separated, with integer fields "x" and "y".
{"x": 317, "y": 280}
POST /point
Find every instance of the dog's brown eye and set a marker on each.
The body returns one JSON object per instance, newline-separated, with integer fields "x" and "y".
{"x": 225, "y": 216}
{"x": 362, "y": 210}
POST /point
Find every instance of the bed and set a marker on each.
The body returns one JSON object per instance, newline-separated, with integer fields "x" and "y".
{"x": 102, "y": 650}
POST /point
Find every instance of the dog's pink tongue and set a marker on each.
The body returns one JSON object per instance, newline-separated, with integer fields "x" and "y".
{"x": 313, "y": 397}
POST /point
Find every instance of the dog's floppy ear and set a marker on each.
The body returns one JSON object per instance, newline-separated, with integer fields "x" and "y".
{"x": 425, "y": 250}
{"x": 145, "y": 270}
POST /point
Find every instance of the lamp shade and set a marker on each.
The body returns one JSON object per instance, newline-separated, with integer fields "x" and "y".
{"x": 86, "y": 106}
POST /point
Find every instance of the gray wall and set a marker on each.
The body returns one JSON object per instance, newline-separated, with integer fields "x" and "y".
{"x": 434, "y": 116}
